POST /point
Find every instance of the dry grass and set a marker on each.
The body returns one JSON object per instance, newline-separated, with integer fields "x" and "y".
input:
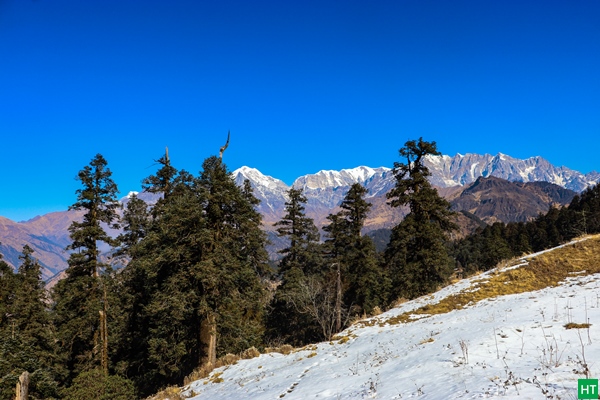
{"x": 170, "y": 393}
{"x": 545, "y": 270}
{"x": 227, "y": 359}
{"x": 573, "y": 325}
{"x": 342, "y": 339}
{"x": 285, "y": 349}
{"x": 250, "y": 353}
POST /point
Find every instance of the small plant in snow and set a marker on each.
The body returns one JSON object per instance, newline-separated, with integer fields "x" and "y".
{"x": 465, "y": 350}
{"x": 547, "y": 390}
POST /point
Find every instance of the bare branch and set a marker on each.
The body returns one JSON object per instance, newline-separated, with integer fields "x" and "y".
{"x": 222, "y": 150}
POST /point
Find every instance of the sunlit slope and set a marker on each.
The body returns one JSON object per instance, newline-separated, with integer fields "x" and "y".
{"x": 529, "y": 328}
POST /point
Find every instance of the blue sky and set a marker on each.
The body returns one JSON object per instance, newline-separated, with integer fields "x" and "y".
{"x": 303, "y": 86}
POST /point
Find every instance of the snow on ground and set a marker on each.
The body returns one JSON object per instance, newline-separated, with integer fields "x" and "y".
{"x": 513, "y": 346}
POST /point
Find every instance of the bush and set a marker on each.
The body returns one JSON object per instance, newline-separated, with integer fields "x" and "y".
{"x": 94, "y": 384}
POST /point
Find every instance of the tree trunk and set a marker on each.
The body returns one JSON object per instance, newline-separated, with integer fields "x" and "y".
{"x": 338, "y": 301}
{"x": 208, "y": 339}
{"x": 104, "y": 340}
{"x": 104, "y": 332}
{"x": 23, "y": 387}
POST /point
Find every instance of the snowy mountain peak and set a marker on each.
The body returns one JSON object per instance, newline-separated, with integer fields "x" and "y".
{"x": 333, "y": 179}
{"x": 462, "y": 170}
{"x": 257, "y": 178}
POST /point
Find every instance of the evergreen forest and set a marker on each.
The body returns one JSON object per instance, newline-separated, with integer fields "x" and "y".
{"x": 188, "y": 280}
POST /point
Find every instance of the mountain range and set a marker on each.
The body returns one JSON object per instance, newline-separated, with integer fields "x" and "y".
{"x": 491, "y": 188}
{"x": 326, "y": 189}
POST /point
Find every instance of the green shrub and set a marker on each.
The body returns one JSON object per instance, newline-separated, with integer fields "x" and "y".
{"x": 94, "y": 385}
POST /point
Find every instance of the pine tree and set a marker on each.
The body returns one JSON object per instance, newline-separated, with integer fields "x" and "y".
{"x": 236, "y": 246}
{"x": 80, "y": 299}
{"x": 26, "y": 340}
{"x": 199, "y": 264}
{"x": 9, "y": 356}
{"x": 163, "y": 181}
{"x": 417, "y": 257}
{"x": 363, "y": 282}
{"x": 299, "y": 312}
{"x": 136, "y": 221}
{"x": 301, "y": 232}
{"x": 7, "y": 285}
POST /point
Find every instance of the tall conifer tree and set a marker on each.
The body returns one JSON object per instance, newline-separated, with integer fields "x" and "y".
{"x": 27, "y": 341}
{"x": 364, "y": 283}
{"x": 136, "y": 221}
{"x": 301, "y": 233}
{"x": 417, "y": 256}
{"x": 81, "y": 296}
{"x": 201, "y": 260}
{"x": 300, "y": 271}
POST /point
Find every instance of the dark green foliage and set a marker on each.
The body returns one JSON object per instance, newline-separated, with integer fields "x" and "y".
{"x": 417, "y": 256}
{"x": 381, "y": 238}
{"x": 26, "y": 337}
{"x": 80, "y": 296}
{"x": 291, "y": 318}
{"x": 323, "y": 285}
{"x": 364, "y": 283}
{"x": 163, "y": 181}
{"x": 98, "y": 198}
{"x": 136, "y": 220}
{"x": 369, "y": 284}
{"x": 95, "y": 385}
{"x": 202, "y": 254}
{"x": 7, "y": 284}
{"x": 302, "y": 234}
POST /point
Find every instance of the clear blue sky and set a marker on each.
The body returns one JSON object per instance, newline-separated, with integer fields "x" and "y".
{"x": 302, "y": 85}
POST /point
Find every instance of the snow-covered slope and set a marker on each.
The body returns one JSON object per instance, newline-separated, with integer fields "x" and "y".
{"x": 513, "y": 346}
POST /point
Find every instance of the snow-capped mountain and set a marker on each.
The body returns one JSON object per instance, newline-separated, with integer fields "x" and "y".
{"x": 324, "y": 190}
{"x": 270, "y": 191}
{"x": 462, "y": 170}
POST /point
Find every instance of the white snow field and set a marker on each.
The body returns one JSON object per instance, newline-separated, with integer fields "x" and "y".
{"x": 513, "y": 346}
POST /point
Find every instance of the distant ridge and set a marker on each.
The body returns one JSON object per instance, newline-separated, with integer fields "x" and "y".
{"x": 326, "y": 189}
{"x": 462, "y": 170}
{"x": 48, "y": 234}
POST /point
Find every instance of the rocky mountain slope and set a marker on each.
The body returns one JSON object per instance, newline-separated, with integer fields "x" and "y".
{"x": 48, "y": 235}
{"x": 493, "y": 199}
